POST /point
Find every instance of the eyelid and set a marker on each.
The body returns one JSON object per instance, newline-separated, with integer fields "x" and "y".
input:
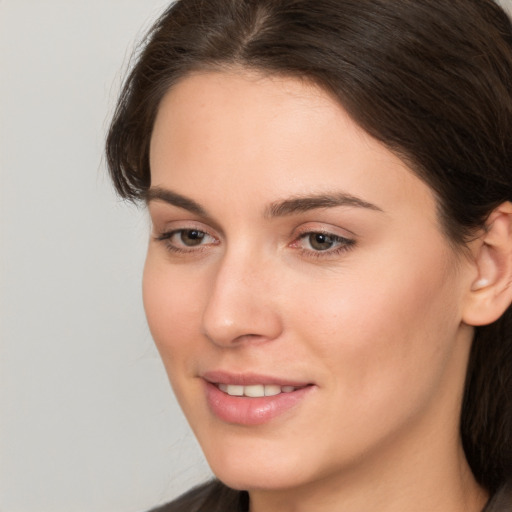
{"x": 160, "y": 212}
{"x": 338, "y": 238}
{"x": 343, "y": 242}
{"x": 165, "y": 228}
{"x": 169, "y": 234}
{"x": 324, "y": 228}
{"x": 165, "y": 235}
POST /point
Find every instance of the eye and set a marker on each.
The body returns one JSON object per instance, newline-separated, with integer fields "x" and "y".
{"x": 320, "y": 241}
{"x": 317, "y": 243}
{"x": 184, "y": 240}
{"x": 190, "y": 237}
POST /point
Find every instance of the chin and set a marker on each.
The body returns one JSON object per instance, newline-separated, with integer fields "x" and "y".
{"x": 258, "y": 464}
{"x": 251, "y": 476}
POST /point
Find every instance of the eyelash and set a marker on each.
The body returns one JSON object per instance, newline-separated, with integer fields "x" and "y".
{"x": 166, "y": 239}
{"x": 344, "y": 244}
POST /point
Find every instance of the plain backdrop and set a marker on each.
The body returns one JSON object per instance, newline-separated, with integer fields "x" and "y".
{"x": 87, "y": 419}
{"x": 88, "y": 422}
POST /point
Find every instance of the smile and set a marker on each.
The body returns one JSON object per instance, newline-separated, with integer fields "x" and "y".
{"x": 249, "y": 399}
{"x": 256, "y": 390}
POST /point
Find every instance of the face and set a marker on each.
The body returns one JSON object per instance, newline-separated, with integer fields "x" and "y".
{"x": 304, "y": 300}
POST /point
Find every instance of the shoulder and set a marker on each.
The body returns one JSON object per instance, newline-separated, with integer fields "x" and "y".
{"x": 210, "y": 497}
{"x": 502, "y": 500}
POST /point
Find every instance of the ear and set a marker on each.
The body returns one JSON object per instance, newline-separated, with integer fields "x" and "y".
{"x": 490, "y": 292}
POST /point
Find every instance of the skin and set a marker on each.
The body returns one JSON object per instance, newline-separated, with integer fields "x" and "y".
{"x": 377, "y": 326}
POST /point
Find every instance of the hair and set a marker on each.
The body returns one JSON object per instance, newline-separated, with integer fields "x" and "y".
{"x": 429, "y": 79}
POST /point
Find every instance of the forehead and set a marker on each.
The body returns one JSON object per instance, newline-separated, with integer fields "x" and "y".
{"x": 246, "y": 134}
{"x": 208, "y": 104}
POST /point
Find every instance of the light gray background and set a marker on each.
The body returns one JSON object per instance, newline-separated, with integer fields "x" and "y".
{"x": 87, "y": 419}
{"x": 88, "y": 422}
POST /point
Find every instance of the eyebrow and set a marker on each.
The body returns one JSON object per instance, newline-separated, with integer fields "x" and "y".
{"x": 302, "y": 204}
{"x": 175, "y": 199}
{"x": 298, "y": 204}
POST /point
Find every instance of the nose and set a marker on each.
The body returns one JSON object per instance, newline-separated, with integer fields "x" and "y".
{"x": 241, "y": 307}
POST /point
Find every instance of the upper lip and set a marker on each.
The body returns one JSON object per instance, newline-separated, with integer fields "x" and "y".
{"x": 249, "y": 379}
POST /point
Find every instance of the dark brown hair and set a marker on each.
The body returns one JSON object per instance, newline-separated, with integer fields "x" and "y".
{"x": 430, "y": 79}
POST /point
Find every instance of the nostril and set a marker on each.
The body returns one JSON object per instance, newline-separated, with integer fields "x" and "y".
{"x": 254, "y": 325}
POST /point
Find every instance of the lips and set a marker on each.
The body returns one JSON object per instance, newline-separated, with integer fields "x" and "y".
{"x": 250, "y": 379}
{"x": 249, "y": 399}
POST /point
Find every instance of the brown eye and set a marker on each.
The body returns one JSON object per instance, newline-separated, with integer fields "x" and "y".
{"x": 321, "y": 241}
{"x": 184, "y": 241}
{"x": 191, "y": 237}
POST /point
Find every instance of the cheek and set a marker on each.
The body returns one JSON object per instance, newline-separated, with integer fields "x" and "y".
{"x": 172, "y": 302}
{"x": 379, "y": 331}
{"x": 173, "y": 307}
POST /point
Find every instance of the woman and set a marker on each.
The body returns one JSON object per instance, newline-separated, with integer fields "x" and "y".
{"x": 328, "y": 274}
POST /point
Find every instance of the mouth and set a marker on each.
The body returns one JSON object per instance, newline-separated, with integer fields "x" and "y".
{"x": 248, "y": 399}
{"x": 256, "y": 390}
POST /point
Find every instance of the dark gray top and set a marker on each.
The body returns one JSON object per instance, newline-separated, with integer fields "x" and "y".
{"x": 501, "y": 501}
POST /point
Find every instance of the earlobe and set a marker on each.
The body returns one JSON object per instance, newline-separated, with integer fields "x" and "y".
{"x": 490, "y": 292}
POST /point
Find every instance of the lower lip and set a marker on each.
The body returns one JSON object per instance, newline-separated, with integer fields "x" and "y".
{"x": 248, "y": 410}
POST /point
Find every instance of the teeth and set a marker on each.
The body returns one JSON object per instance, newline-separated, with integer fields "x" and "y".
{"x": 271, "y": 390}
{"x": 235, "y": 390}
{"x": 255, "y": 391}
